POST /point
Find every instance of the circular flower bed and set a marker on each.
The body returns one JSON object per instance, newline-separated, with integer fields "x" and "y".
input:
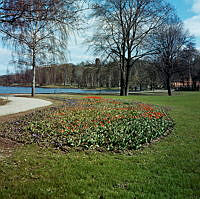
{"x": 93, "y": 123}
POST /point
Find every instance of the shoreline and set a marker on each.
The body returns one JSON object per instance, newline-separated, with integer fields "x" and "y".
{"x": 61, "y": 87}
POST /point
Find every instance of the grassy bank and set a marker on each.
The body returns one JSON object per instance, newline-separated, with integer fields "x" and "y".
{"x": 169, "y": 168}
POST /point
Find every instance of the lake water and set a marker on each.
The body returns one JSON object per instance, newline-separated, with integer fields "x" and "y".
{"x": 26, "y": 90}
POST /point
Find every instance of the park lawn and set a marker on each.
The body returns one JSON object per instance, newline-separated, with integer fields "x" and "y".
{"x": 168, "y": 168}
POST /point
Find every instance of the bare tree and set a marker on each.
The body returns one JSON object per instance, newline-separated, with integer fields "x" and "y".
{"x": 11, "y": 10}
{"x": 189, "y": 65}
{"x": 41, "y": 34}
{"x": 123, "y": 30}
{"x": 170, "y": 42}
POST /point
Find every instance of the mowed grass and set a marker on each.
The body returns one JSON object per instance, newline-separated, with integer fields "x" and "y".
{"x": 168, "y": 168}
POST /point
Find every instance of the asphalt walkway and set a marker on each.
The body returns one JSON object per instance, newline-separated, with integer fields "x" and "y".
{"x": 21, "y": 104}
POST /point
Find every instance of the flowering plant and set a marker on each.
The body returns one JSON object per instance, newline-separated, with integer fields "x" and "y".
{"x": 97, "y": 123}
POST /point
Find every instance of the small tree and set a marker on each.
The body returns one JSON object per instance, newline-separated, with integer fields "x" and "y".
{"x": 40, "y": 35}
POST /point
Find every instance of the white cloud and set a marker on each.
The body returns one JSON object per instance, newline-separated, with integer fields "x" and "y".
{"x": 2, "y": 70}
{"x": 79, "y": 53}
{"x": 4, "y": 51}
{"x": 5, "y": 57}
{"x": 78, "y": 48}
{"x": 193, "y": 25}
{"x": 196, "y": 6}
{"x": 84, "y": 57}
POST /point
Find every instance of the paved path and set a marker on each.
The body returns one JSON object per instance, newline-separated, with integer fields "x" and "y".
{"x": 21, "y": 104}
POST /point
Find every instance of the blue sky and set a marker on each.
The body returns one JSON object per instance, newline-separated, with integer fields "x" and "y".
{"x": 187, "y": 10}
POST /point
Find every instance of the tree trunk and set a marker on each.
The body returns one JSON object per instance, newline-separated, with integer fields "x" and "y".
{"x": 65, "y": 76}
{"x": 169, "y": 86}
{"x": 109, "y": 80}
{"x": 127, "y": 80}
{"x": 140, "y": 87}
{"x": 33, "y": 75}
{"x": 123, "y": 84}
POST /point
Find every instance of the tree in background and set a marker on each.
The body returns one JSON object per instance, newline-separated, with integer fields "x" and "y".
{"x": 170, "y": 42}
{"x": 145, "y": 75}
{"x": 40, "y": 35}
{"x": 189, "y": 67}
{"x": 123, "y": 28}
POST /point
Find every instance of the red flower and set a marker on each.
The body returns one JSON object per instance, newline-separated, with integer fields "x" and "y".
{"x": 93, "y": 97}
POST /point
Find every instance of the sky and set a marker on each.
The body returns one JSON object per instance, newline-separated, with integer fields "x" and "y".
{"x": 187, "y": 10}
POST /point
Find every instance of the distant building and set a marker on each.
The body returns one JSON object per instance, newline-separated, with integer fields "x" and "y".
{"x": 186, "y": 85}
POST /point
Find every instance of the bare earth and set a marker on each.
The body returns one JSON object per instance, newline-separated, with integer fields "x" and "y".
{"x": 6, "y": 147}
{"x": 13, "y": 109}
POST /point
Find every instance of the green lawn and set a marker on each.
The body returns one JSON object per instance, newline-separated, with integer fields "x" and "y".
{"x": 169, "y": 168}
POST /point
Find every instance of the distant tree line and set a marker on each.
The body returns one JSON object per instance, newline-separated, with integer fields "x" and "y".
{"x": 143, "y": 42}
{"x": 145, "y": 75}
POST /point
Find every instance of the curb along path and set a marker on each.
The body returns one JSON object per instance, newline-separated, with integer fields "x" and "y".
{"x": 21, "y": 104}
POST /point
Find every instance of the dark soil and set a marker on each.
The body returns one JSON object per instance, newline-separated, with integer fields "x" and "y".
{"x": 7, "y": 146}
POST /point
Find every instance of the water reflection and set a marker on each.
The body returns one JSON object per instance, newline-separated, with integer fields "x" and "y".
{"x": 26, "y": 90}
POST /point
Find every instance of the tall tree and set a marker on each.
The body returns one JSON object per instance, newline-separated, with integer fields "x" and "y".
{"x": 170, "y": 42}
{"x": 41, "y": 33}
{"x": 11, "y": 10}
{"x": 123, "y": 27}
